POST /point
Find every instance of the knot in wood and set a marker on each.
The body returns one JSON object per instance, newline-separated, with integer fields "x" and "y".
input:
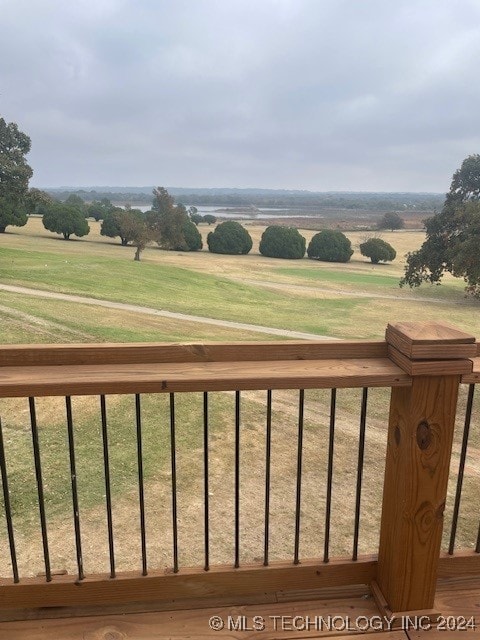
{"x": 105, "y": 633}
{"x": 424, "y": 435}
{"x": 397, "y": 435}
{"x": 113, "y": 634}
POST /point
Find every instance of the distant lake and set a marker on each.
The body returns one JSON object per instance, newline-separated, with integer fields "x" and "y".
{"x": 265, "y": 213}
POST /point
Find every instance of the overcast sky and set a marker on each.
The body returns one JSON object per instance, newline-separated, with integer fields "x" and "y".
{"x": 369, "y": 95}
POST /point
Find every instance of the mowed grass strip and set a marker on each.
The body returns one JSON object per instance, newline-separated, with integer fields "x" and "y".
{"x": 349, "y": 278}
{"x": 29, "y": 320}
{"x": 168, "y": 287}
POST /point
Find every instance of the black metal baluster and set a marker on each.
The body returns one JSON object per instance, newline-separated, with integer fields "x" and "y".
{"x": 73, "y": 478}
{"x": 237, "y": 479}
{"x": 301, "y": 405}
{"x": 328, "y": 508}
{"x": 205, "y": 482}
{"x": 8, "y": 509}
{"x": 361, "y": 452}
{"x": 477, "y": 547}
{"x": 268, "y": 450}
{"x": 461, "y": 468}
{"x": 41, "y": 498}
{"x": 141, "y": 487}
{"x": 174, "y": 483}
{"x": 108, "y": 493}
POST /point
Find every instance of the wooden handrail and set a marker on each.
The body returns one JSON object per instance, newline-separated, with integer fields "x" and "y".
{"x": 162, "y": 368}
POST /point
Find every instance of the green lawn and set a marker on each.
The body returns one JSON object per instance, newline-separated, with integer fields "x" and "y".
{"x": 171, "y": 288}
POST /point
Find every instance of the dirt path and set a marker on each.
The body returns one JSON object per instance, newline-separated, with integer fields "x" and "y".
{"x": 294, "y": 335}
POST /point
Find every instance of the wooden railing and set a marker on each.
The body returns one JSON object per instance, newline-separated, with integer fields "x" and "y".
{"x": 422, "y": 365}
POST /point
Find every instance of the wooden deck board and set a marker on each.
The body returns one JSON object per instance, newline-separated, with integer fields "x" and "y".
{"x": 194, "y": 623}
{"x": 456, "y": 597}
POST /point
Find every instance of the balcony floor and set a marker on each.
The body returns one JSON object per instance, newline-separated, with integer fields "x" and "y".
{"x": 352, "y": 606}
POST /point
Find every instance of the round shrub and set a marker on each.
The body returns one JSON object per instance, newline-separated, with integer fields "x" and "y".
{"x": 191, "y": 236}
{"x": 330, "y": 246}
{"x": 229, "y": 237}
{"x": 378, "y": 250}
{"x": 282, "y": 242}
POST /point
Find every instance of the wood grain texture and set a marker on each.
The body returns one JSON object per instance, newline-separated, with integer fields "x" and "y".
{"x": 429, "y": 367}
{"x": 430, "y": 340}
{"x": 457, "y": 602}
{"x": 84, "y": 354}
{"x": 474, "y": 376}
{"x": 420, "y": 435}
{"x": 198, "y": 376}
{"x": 463, "y": 564}
{"x": 194, "y": 624}
{"x": 65, "y": 591}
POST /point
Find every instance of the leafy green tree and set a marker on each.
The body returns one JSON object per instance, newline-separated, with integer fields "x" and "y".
{"x": 142, "y": 237}
{"x": 209, "y": 219}
{"x": 378, "y": 250}
{"x": 14, "y": 175}
{"x": 282, "y": 242}
{"x": 196, "y": 218}
{"x": 122, "y": 223}
{"x": 192, "y": 238}
{"x": 76, "y": 201}
{"x": 330, "y": 246}
{"x": 167, "y": 221}
{"x": 99, "y": 209}
{"x": 66, "y": 220}
{"x": 37, "y": 201}
{"x": 392, "y": 221}
{"x": 229, "y": 238}
{"x": 452, "y": 235}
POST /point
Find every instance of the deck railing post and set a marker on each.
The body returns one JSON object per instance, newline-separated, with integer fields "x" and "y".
{"x": 420, "y": 435}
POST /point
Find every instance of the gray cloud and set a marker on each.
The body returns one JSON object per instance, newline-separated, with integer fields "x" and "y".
{"x": 315, "y": 94}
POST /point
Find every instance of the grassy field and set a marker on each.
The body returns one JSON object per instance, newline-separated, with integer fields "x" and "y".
{"x": 354, "y": 300}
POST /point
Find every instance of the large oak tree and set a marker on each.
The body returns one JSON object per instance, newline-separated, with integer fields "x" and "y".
{"x": 14, "y": 175}
{"x": 453, "y": 235}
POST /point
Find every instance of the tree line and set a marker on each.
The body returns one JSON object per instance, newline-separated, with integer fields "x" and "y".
{"x": 451, "y": 245}
{"x": 289, "y": 199}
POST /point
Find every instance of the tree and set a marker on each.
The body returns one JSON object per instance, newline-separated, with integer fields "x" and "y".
{"x": 122, "y": 223}
{"x": 229, "y": 238}
{"x": 66, "y": 220}
{"x": 143, "y": 236}
{"x": 392, "y": 221}
{"x": 14, "y": 175}
{"x": 196, "y": 218}
{"x": 37, "y": 201}
{"x": 99, "y": 209}
{"x": 209, "y": 219}
{"x": 378, "y": 250}
{"x": 330, "y": 246}
{"x": 452, "y": 235}
{"x": 192, "y": 238}
{"x": 167, "y": 221}
{"x": 282, "y": 242}
{"x": 77, "y": 202}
